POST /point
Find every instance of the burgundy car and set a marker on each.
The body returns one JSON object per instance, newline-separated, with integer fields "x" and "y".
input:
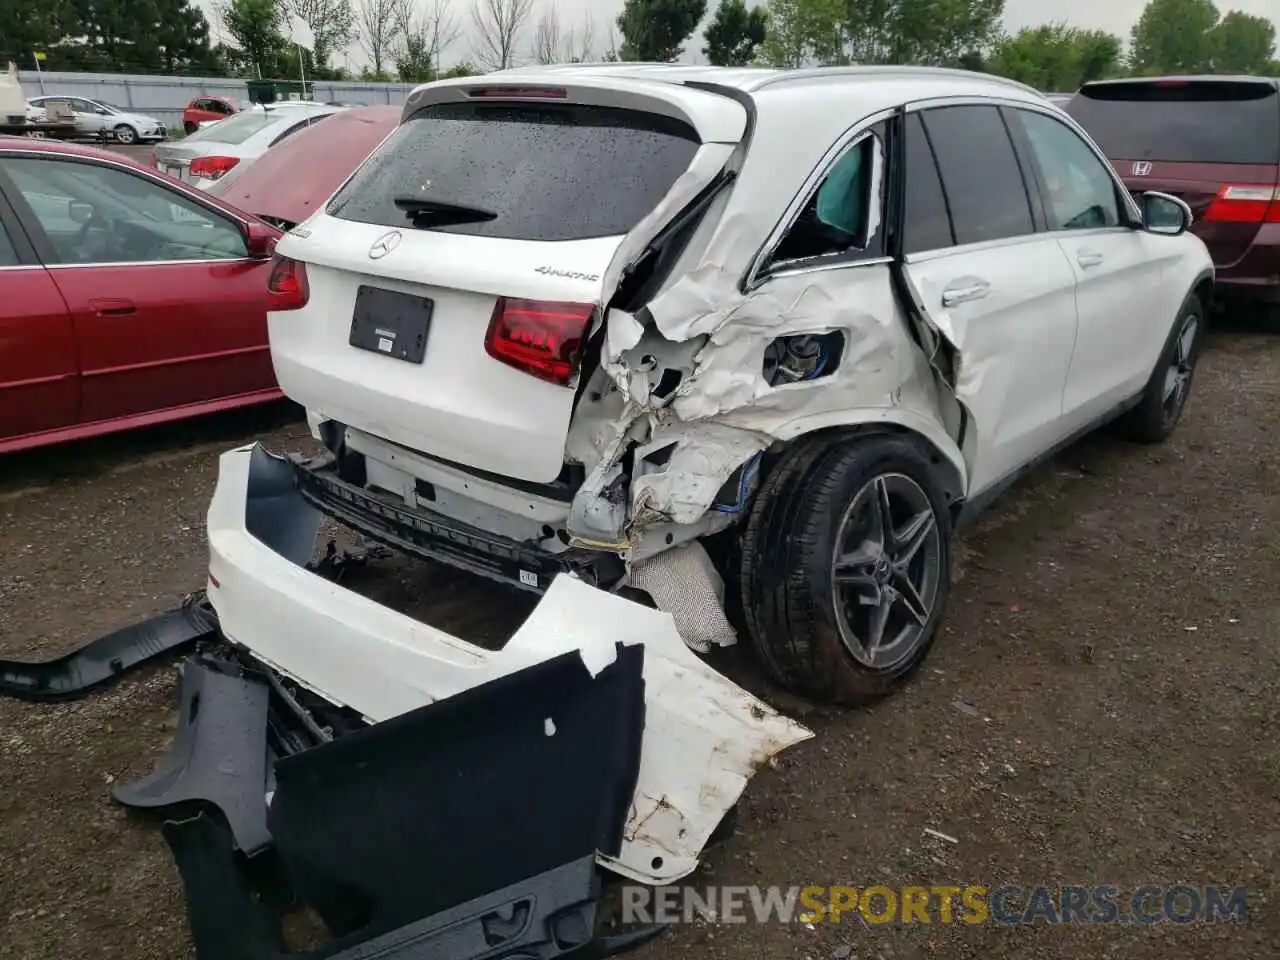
{"x": 294, "y": 178}
{"x": 1214, "y": 142}
{"x": 128, "y": 298}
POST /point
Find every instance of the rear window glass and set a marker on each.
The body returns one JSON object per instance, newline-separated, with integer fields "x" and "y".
{"x": 521, "y": 172}
{"x": 235, "y": 129}
{"x": 1182, "y": 122}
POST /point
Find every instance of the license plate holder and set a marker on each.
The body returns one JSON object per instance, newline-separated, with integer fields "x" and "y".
{"x": 391, "y": 323}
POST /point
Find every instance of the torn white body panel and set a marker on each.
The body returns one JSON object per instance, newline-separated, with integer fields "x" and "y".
{"x": 704, "y": 736}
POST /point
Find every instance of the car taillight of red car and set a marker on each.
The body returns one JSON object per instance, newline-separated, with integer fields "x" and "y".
{"x": 1245, "y": 203}
{"x": 541, "y": 338}
{"x": 287, "y": 287}
{"x": 212, "y": 168}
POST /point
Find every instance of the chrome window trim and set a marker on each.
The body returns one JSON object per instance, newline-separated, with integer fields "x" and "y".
{"x": 755, "y": 277}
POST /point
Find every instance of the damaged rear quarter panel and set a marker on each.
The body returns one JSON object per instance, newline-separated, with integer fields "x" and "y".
{"x": 724, "y": 411}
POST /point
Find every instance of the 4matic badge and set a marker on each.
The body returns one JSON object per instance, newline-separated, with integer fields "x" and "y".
{"x": 568, "y": 274}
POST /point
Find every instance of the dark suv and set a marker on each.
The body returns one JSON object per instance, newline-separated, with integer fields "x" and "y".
{"x": 1214, "y": 142}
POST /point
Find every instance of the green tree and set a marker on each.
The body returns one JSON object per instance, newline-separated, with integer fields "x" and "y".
{"x": 465, "y": 69}
{"x": 1173, "y": 36}
{"x": 800, "y": 32}
{"x": 657, "y": 29}
{"x": 332, "y": 24}
{"x": 1056, "y": 57}
{"x": 255, "y": 27}
{"x": 734, "y": 34}
{"x": 940, "y": 32}
{"x": 28, "y": 26}
{"x": 1241, "y": 43}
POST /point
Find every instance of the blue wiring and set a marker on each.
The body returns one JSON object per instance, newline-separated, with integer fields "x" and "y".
{"x": 744, "y": 487}
{"x": 817, "y": 371}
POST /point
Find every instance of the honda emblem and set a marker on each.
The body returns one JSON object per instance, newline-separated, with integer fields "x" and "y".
{"x": 1142, "y": 168}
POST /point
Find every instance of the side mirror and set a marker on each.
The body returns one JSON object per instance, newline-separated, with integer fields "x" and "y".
{"x": 1165, "y": 215}
{"x": 260, "y": 240}
{"x": 80, "y": 212}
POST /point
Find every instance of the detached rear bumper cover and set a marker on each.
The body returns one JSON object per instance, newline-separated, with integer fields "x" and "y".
{"x": 704, "y": 737}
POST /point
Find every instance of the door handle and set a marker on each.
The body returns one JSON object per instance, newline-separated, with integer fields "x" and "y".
{"x": 1087, "y": 259}
{"x": 113, "y": 308}
{"x": 965, "y": 291}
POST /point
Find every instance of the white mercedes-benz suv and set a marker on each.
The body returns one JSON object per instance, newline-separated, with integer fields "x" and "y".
{"x": 750, "y": 343}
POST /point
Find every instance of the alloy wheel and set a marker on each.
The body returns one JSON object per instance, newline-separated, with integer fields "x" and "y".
{"x": 886, "y": 570}
{"x": 1177, "y": 378}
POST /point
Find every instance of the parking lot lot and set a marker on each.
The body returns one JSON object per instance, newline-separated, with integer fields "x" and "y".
{"x": 1101, "y": 707}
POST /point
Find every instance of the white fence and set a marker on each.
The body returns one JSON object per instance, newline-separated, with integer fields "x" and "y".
{"x": 165, "y": 97}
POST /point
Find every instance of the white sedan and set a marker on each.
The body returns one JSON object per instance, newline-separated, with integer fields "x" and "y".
{"x": 214, "y": 150}
{"x": 98, "y": 118}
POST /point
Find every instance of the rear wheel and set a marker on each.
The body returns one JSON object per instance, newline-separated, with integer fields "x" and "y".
{"x": 1157, "y": 414}
{"x": 188, "y": 127}
{"x": 846, "y": 567}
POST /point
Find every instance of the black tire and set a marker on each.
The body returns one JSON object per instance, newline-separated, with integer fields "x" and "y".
{"x": 787, "y": 573}
{"x": 125, "y": 134}
{"x": 1154, "y": 418}
{"x": 189, "y": 127}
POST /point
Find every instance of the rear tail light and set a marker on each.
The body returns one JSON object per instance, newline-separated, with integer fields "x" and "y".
{"x": 541, "y": 338}
{"x": 287, "y": 287}
{"x": 1245, "y": 203}
{"x": 211, "y": 168}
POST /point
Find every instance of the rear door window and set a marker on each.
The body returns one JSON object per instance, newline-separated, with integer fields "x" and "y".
{"x": 1181, "y": 121}
{"x": 926, "y": 224}
{"x": 980, "y": 173}
{"x": 841, "y": 218}
{"x": 520, "y": 171}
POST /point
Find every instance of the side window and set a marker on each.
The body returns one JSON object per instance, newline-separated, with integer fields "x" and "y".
{"x": 842, "y": 215}
{"x": 8, "y": 255}
{"x": 98, "y": 214}
{"x": 926, "y": 221}
{"x": 1079, "y": 193}
{"x": 980, "y": 173}
{"x": 302, "y": 125}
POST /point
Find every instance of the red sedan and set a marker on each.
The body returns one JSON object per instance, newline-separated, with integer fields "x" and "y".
{"x": 202, "y": 109}
{"x": 128, "y": 298}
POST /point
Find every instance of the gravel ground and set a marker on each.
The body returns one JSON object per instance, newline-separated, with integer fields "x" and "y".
{"x": 1101, "y": 709}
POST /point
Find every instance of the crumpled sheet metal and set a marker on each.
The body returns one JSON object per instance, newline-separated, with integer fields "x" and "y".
{"x": 725, "y": 411}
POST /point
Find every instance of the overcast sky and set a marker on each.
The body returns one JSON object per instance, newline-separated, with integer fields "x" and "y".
{"x": 1116, "y": 16}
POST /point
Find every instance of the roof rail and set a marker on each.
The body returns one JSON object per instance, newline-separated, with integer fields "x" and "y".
{"x": 822, "y": 73}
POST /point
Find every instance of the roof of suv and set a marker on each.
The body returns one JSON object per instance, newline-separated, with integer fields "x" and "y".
{"x": 886, "y": 84}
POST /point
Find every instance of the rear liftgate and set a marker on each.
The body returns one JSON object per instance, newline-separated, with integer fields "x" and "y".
{"x": 424, "y": 798}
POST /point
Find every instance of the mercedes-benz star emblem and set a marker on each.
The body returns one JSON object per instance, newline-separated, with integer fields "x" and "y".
{"x": 1142, "y": 168}
{"x": 384, "y": 245}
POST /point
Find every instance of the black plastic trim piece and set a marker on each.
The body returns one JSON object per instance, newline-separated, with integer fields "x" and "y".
{"x": 106, "y": 658}
{"x": 540, "y": 918}
{"x": 219, "y": 754}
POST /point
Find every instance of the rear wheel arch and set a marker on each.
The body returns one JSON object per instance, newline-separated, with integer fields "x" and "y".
{"x": 785, "y": 578}
{"x": 948, "y": 464}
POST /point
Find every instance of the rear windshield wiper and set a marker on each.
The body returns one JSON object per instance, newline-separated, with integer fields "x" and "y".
{"x": 426, "y": 213}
